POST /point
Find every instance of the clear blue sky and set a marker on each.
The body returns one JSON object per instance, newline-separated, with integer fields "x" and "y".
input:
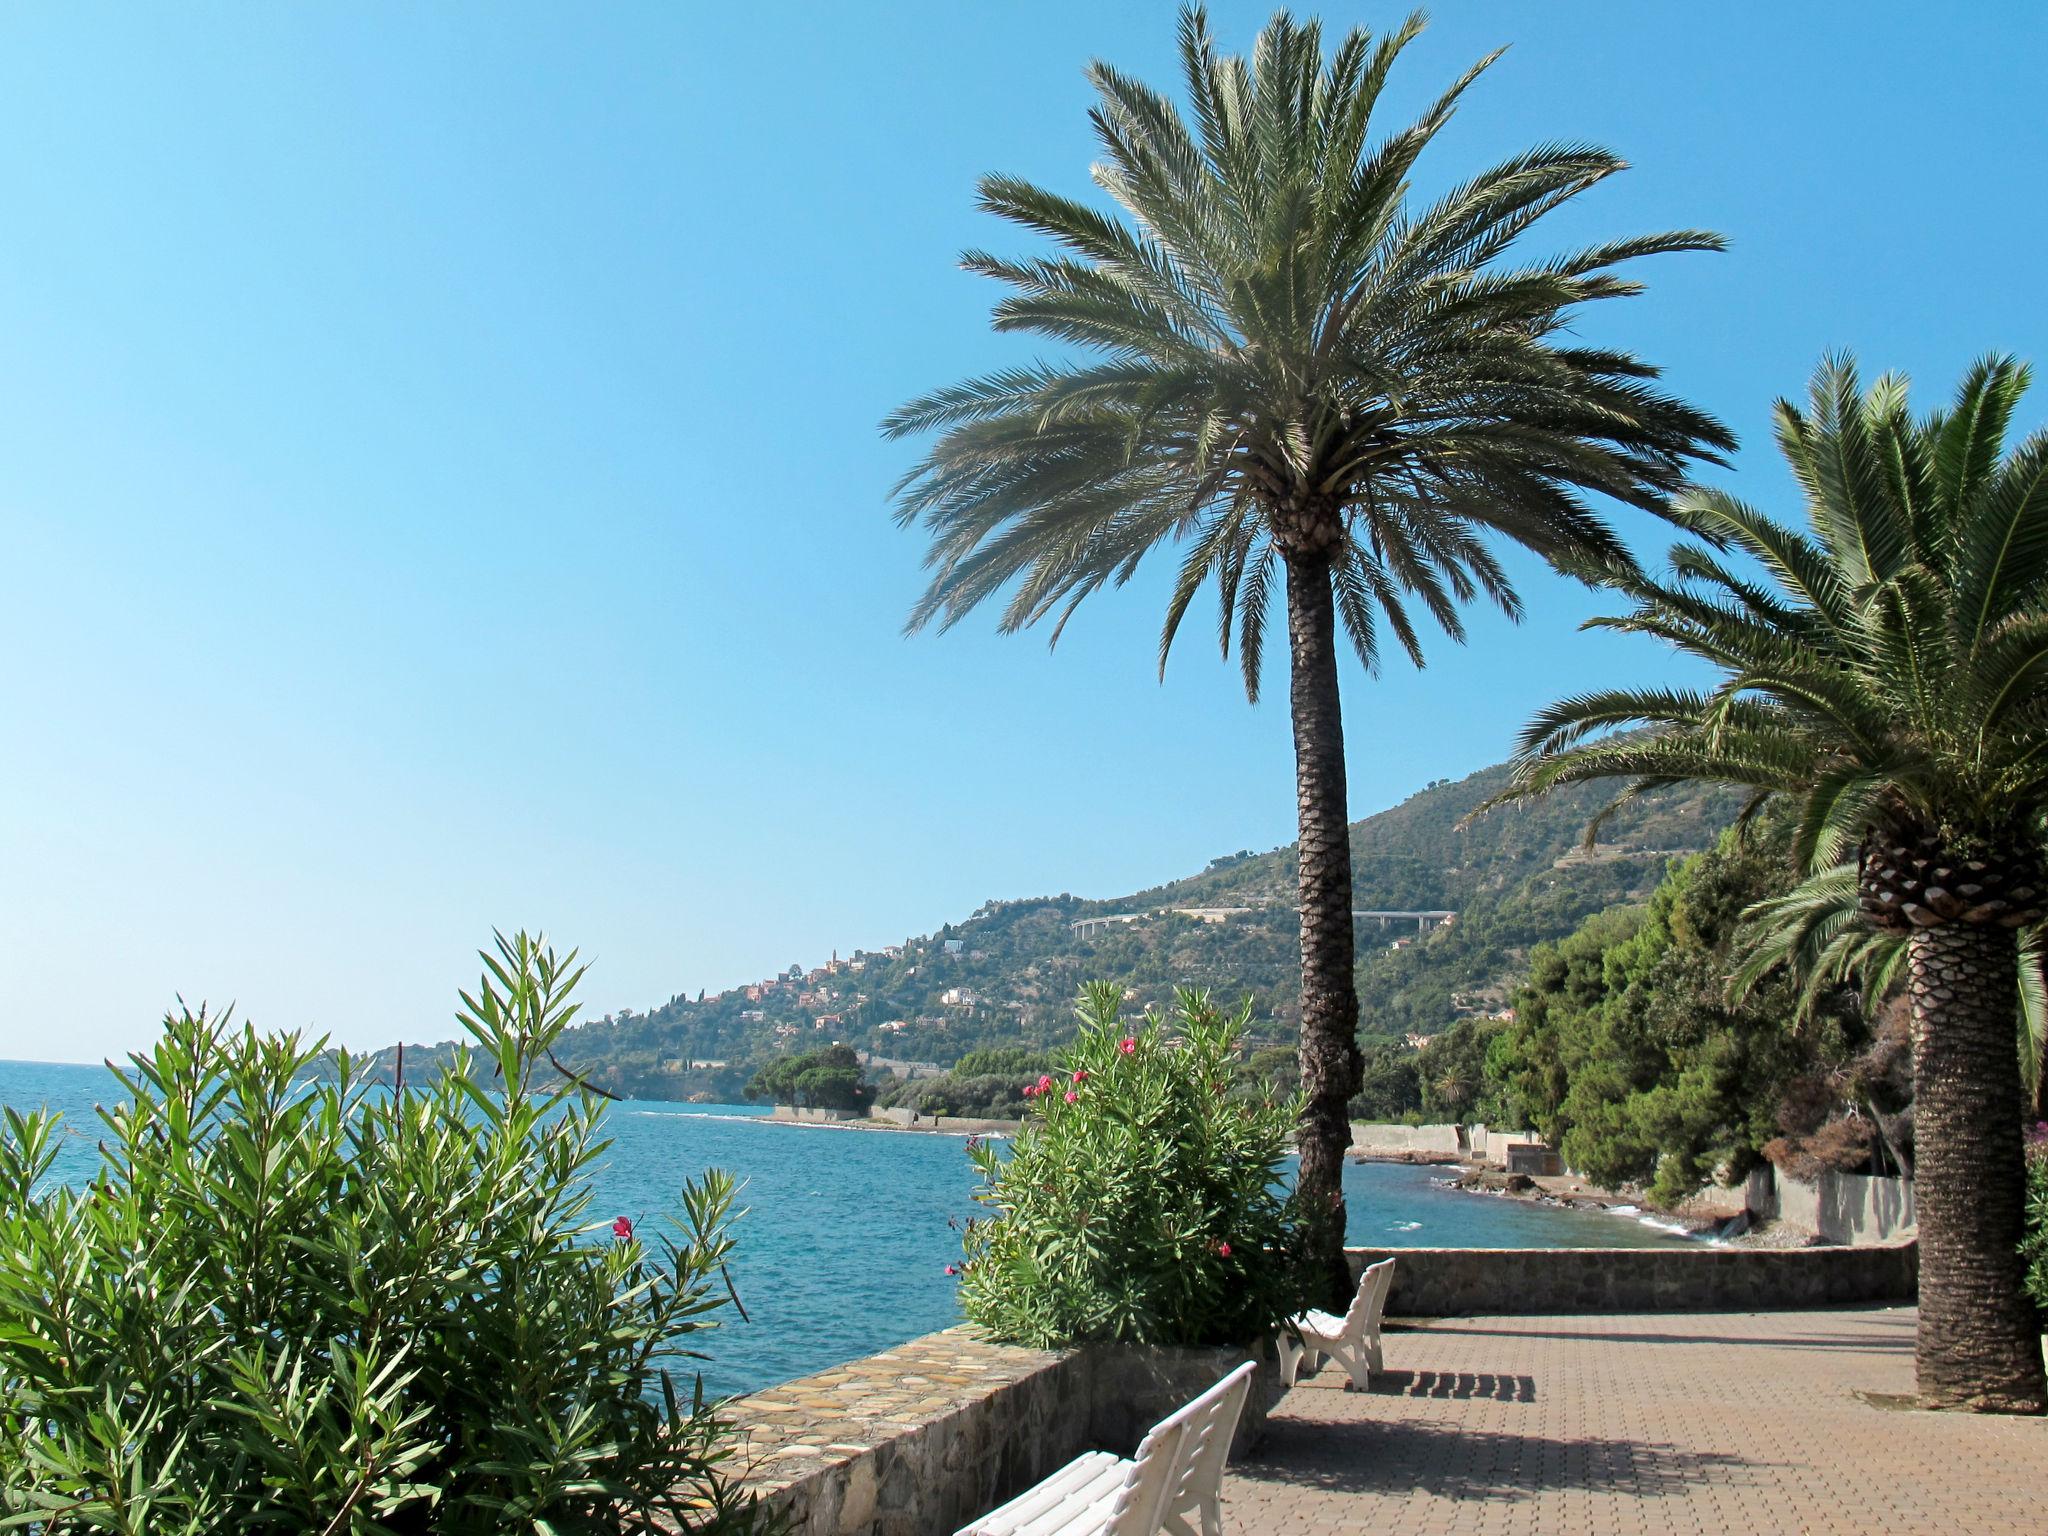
{"x": 439, "y": 485}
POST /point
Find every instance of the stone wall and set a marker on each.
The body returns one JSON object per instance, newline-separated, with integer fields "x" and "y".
{"x": 810, "y": 1116}
{"x": 918, "y": 1440}
{"x": 1465, "y": 1282}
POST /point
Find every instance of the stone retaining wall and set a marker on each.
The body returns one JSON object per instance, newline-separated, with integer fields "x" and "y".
{"x": 1484, "y": 1282}
{"x": 918, "y": 1440}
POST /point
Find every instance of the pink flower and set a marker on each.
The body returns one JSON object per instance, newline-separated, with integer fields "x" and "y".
{"x": 1127, "y": 1045}
{"x": 1081, "y": 1076}
{"x": 622, "y": 1229}
{"x": 952, "y": 1269}
{"x": 1045, "y": 1085}
{"x": 1223, "y": 1250}
{"x": 1071, "y": 1096}
{"x": 1031, "y": 1090}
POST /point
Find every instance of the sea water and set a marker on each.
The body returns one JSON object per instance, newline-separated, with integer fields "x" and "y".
{"x": 847, "y": 1232}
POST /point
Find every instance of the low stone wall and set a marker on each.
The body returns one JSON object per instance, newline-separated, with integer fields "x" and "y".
{"x": 1481, "y": 1282}
{"x": 918, "y": 1440}
{"x": 805, "y": 1116}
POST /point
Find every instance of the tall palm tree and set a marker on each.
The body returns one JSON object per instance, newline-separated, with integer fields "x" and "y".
{"x": 1276, "y": 361}
{"x": 1889, "y": 674}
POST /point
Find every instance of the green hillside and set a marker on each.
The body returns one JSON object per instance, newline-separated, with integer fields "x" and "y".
{"x": 1008, "y": 973}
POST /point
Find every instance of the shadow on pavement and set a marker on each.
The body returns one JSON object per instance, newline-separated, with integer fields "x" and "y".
{"x": 1400, "y": 1458}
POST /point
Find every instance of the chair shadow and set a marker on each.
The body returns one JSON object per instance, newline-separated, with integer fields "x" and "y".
{"x": 1399, "y": 1458}
{"x": 1460, "y": 1386}
{"x": 1900, "y": 1342}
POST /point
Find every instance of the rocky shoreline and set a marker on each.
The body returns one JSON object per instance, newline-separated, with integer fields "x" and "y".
{"x": 1705, "y": 1217}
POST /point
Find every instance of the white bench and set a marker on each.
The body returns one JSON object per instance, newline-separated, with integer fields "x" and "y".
{"x": 1177, "y": 1473}
{"x": 1352, "y": 1340}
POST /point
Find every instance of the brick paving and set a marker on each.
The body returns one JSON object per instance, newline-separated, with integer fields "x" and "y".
{"x": 1715, "y": 1423}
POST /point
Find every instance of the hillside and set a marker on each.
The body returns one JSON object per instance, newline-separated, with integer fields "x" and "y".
{"x": 1008, "y": 972}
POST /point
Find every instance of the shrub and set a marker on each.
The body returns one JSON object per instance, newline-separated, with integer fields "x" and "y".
{"x": 294, "y": 1300}
{"x": 2036, "y": 1244}
{"x": 1142, "y": 1200}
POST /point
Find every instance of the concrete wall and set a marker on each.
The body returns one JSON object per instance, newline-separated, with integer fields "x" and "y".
{"x": 1498, "y": 1142}
{"x": 1442, "y": 1139}
{"x": 956, "y": 1124}
{"x": 1461, "y": 1282}
{"x": 1851, "y": 1208}
{"x": 810, "y": 1116}
{"x": 1478, "y": 1141}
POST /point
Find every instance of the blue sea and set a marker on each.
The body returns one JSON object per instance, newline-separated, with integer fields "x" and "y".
{"x": 843, "y": 1248}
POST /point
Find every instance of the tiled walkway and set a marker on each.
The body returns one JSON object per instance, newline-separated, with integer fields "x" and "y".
{"x": 1722, "y": 1424}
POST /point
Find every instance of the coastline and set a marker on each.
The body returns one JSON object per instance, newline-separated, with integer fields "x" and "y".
{"x": 1701, "y": 1218}
{"x": 962, "y": 1128}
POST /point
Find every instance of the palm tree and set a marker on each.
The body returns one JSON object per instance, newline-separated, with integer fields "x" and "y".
{"x": 1886, "y": 676}
{"x": 1276, "y": 362}
{"x": 1817, "y": 933}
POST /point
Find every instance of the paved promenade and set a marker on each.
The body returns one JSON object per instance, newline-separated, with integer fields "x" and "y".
{"x": 1671, "y": 1423}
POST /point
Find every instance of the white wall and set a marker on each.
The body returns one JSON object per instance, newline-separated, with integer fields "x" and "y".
{"x": 1851, "y": 1208}
{"x": 1405, "y": 1138}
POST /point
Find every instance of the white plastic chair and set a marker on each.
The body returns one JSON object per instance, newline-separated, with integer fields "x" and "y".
{"x": 1352, "y": 1340}
{"x": 1177, "y": 1473}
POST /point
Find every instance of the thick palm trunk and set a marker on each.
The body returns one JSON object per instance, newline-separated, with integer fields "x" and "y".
{"x": 1980, "y": 1336}
{"x": 1330, "y": 1065}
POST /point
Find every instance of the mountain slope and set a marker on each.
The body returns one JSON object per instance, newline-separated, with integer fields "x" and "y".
{"x": 1008, "y": 973}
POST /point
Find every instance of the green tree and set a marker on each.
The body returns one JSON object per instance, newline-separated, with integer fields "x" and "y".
{"x": 830, "y": 1078}
{"x": 1627, "y": 1051}
{"x": 1452, "y": 1072}
{"x": 1390, "y": 1086}
{"x": 1306, "y": 381}
{"x": 1886, "y": 676}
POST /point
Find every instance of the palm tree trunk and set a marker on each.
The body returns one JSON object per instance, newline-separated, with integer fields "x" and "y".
{"x": 1980, "y": 1336}
{"x": 1330, "y": 1065}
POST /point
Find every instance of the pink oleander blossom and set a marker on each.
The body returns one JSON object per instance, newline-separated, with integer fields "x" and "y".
{"x": 952, "y": 1269}
{"x": 1081, "y": 1075}
{"x": 1127, "y": 1045}
{"x": 622, "y": 1228}
{"x": 1223, "y": 1250}
{"x": 1071, "y": 1096}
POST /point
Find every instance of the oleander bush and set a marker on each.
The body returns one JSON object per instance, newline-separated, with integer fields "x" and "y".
{"x": 1145, "y": 1197}
{"x": 294, "y": 1300}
